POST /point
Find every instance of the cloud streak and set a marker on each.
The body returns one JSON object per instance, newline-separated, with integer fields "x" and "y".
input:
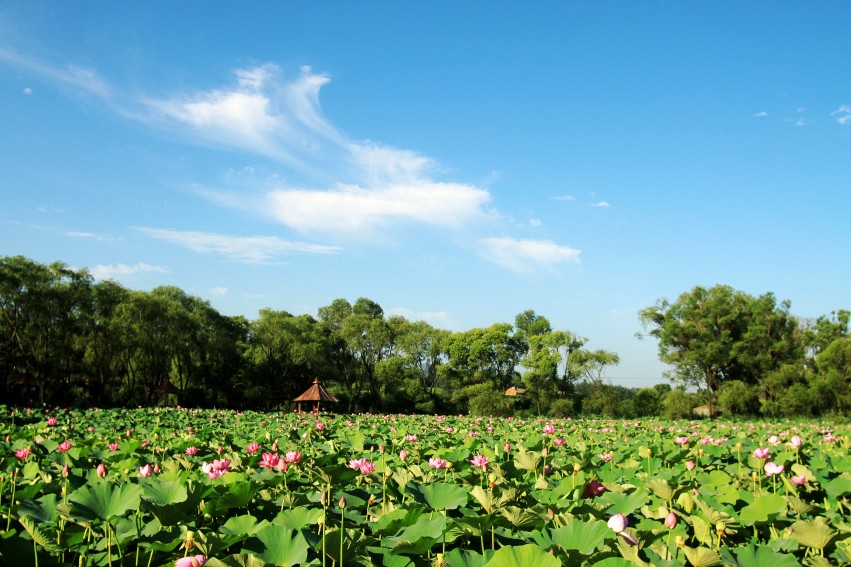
{"x": 525, "y": 256}
{"x": 244, "y": 249}
{"x": 117, "y": 271}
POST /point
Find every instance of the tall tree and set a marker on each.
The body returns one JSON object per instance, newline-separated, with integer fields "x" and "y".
{"x": 711, "y": 336}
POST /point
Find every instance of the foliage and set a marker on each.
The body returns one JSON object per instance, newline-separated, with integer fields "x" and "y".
{"x": 150, "y": 486}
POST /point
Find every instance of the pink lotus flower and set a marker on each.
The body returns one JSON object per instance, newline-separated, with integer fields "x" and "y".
{"x": 480, "y": 462}
{"x": 292, "y": 457}
{"x": 795, "y": 442}
{"x": 549, "y": 429}
{"x": 252, "y": 448}
{"x": 507, "y": 447}
{"x": 799, "y": 480}
{"x": 829, "y": 438}
{"x": 269, "y": 461}
{"x": 410, "y": 437}
{"x": 559, "y": 441}
{"x": 191, "y": 561}
{"x": 593, "y": 488}
{"x": 23, "y": 453}
{"x": 605, "y": 457}
{"x": 101, "y": 470}
{"x": 367, "y": 467}
{"x": 403, "y": 454}
{"x": 52, "y": 421}
{"x": 216, "y": 469}
{"x": 761, "y": 453}
{"x": 191, "y": 450}
{"x": 690, "y": 465}
{"x": 146, "y": 471}
{"x": 774, "y": 440}
{"x": 64, "y": 446}
{"x": 113, "y": 446}
{"x": 320, "y": 426}
{"x": 772, "y": 468}
{"x": 681, "y": 440}
{"x": 436, "y": 463}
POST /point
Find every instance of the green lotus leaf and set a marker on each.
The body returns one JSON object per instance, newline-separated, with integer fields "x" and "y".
{"x": 759, "y": 556}
{"x": 419, "y": 537}
{"x": 582, "y": 536}
{"x": 660, "y": 487}
{"x": 527, "y": 460}
{"x": 440, "y": 495}
{"x": 815, "y": 534}
{"x": 763, "y": 509}
{"x": 461, "y": 558}
{"x": 105, "y": 501}
{"x": 242, "y": 526}
{"x": 299, "y": 517}
{"x": 838, "y": 486}
{"x": 702, "y": 557}
{"x": 42, "y": 510}
{"x": 624, "y": 503}
{"x": 163, "y": 493}
{"x": 38, "y": 536}
{"x": 522, "y": 556}
{"x": 279, "y": 545}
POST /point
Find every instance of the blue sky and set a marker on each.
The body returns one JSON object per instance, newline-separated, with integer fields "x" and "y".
{"x": 455, "y": 162}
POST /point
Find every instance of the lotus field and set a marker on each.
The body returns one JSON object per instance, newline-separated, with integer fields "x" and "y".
{"x": 185, "y": 487}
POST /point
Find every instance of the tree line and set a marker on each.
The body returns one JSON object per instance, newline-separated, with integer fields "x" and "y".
{"x": 66, "y": 339}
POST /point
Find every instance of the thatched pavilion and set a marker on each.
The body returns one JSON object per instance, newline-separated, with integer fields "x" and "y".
{"x": 316, "y": 394}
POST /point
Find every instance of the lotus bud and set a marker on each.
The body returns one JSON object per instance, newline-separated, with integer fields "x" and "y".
{"x": 403, "y": 454}
{"x": 670, "y": 520}
{"x": 323, "y": 498}
{"x": 507, "y": 447}
{"x": 618, "y": 523}
{"x": 342, "y": 502}
{"x": 101, "y": 470}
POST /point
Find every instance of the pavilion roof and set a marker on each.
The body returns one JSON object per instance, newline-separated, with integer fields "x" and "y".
{"x": 316, "y": 393}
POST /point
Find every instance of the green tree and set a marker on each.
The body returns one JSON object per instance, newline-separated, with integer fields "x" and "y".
{"x": 712, "y": 336}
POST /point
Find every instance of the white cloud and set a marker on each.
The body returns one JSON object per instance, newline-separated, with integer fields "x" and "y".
{"x": 438, "y": 319}
{"x": 218, "y": 291}
{"x": 601, "y": 204}
{"x": 114, "y": 271}
{"x": 368, "y": 185}
{"x": 564, "y": 198}
{"x": 247, "y": 249}
{"x": 74, "y": 76}
{"x": 535, "y": 222}
{"x": 761, "y": 114}
{"x": 351, "y": 208}
{"x": 27, "y": 91}
{"x": 92, "y": 235}
{"x": 843, "y": 114}
{"x": 526, "y": 255}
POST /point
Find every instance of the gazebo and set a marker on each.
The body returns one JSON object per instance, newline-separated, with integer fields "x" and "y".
{"x": 316, "y": 394}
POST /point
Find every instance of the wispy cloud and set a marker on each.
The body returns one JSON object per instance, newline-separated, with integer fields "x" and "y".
{"x": 843, "y": 114}
{"x": 535, "y": 222}
{"x": 438, "y": 319}
{"x": 82, "y": 78}
{"x": 760, "y": 114}
{"x": 564, "y": 198}
{"x": 601, "y": 204}
{"x": 218, "y": 291}
{"x": 246, "y": 249}
{"x": 526, "y": 255}
{"x": 92, "y": 235}
{"x": 117, "y": 271}
{"x": 368, "y": 186}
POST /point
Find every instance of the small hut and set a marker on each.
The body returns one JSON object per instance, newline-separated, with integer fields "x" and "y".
{"x": 316, "y": 394}
{"x": 167, "y": 393}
